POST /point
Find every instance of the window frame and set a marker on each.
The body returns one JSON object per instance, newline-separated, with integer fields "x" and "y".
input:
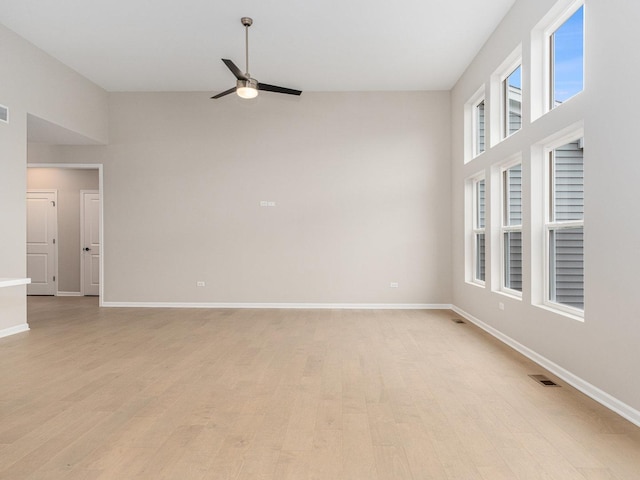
{"x": 476, "y": 229}
{"x": 541, "y": 87}
{"x": 506, "y": 229}
{"x": 497, "y": 98}
{"x": 550, "y": 49}
{"x": 472, "y": 129}
{"x": 504, "y": 99}
{"x": 549, "y": 224}
{"x": 476, "y": 127}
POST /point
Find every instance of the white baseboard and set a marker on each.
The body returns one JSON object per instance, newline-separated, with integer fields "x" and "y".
{"x": 600, "y": 396}
{"x": 350, "y": 306}
{"x": 13, "y": 330}
{"x": 69, "y": 294}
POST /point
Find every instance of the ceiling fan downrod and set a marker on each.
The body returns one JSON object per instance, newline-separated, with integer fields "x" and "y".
{"x": 247, "y": 22}
{"x": 247, "y": 87}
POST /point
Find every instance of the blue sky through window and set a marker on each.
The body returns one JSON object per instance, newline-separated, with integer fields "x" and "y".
{"x": 568, "y": 54}
{"x": 515, "y": 79}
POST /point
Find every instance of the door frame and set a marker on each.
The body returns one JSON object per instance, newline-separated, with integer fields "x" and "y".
{"x": 87, "y": 166}
{"x": 82, "y": 238}
{"x": 55, "y": 235}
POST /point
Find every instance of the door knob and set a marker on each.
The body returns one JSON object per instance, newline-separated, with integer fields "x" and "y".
{"x": 86, "y": 249}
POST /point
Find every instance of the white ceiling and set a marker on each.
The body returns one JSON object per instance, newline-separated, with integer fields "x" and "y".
{"x": 321, "y": 45}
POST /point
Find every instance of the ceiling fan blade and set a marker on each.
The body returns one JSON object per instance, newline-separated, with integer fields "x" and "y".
{"x": 226, "y": 92}
{"x": 273, "y": 88}
{"x": 235, "y": 70}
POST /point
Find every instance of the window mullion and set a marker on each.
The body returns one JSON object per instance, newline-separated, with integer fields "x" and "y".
{"x": 565, "y": 224}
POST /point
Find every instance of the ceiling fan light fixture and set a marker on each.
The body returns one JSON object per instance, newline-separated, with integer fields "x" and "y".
{"x": 247, "y": 88}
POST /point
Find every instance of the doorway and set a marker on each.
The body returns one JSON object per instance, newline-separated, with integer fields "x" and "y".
{"x": 90, "y": 242}
{"x": 42, "y": 255}
{"x": 79, "y": 246}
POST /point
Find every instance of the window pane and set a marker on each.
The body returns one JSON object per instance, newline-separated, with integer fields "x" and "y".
{"x": 568, "y": 58}
{"x": 480, "y": 195}
{"x": 480, "y": 128}
{"x": 480, "y": 241}
{"x": 513, "y": 195}
{"x": 566, "y": 267}
{"x": 513, "y": 260}
{"x": 513, "y": 101}
{"x": 568, "y": 182}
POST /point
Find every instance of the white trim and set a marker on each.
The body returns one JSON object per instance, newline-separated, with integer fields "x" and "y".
{"x": 345, "y": 306}
{"x": 508, "y": 292}
{"x": 558, "y": 309}
{"x": 505, "y": 95}
{"x": 541, "y": 87}
{"x": 569, "y": 134}
{"x": 471, "y": 127}
{"x": 539, "y": 208}
{"x": 69, "y": 294}
{"x": 513, "y": 161}
{"x": 564, "y": 137}
{"x": 506, "y": 68}
{"x": 477, "y": 230}
{"x": 476, "y": 127}
{"x": 87, "y": 166}
{"x": 13, "y": 330}
{"x": 12, "y": 282}
{"x": 600, "y": 396}
{"x": 566, "y": 8}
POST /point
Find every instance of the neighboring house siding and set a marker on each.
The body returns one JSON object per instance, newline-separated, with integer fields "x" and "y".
{"x": 569, "y": 243}
{"x": 513, "y": 247}
{"x": 514, "y": 122}
{"x": 481, "y": 127}
{"x": 481, "y": 242}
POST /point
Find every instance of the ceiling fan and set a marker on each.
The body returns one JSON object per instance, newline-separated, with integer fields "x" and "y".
{"x": 247, "y": 87}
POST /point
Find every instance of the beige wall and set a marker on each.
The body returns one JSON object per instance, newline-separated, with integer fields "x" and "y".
{"x": 360, "y": 181}
{"x": 33, "y": 82}
{"x": 68, "y": 183}
{"x": 603, "y": 349}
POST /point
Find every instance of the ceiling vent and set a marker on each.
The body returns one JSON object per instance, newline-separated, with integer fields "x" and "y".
{"x": 4, "y": 114}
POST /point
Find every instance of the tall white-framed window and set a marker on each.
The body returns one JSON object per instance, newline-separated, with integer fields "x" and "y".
{"x": 564, "y": 227}
{"x": 475, "y": 125}
{"x": 507, "y": 97}
{"x": 511, "y": 228}
{"x": 557, "y": 59}
{"x": 512, "y": 101}
{"x": 566, "y": 56}
{"x": 479, "y": 122}
{"x": 479, "y": 227}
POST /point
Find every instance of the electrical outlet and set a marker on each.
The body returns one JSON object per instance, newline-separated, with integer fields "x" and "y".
{"x": 264, "y": 203}
{"x": 200, "y": 284}
{"x": 393, "y": 284}
{"x": 501, "y": 305}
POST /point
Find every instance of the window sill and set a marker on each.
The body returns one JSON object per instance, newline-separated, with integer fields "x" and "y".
{"x": 513, "y": 294}
{"x": 546, "y": 110}
{"x": 476, "y": 283}
{"x": 559, "y": 311}
{"x": 469, "y": 160}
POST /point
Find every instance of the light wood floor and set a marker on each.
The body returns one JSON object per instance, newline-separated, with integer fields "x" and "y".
{"x": 95, "y": 393}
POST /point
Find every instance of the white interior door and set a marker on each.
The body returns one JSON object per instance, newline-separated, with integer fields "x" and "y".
{"x": 90, "y": 241}
{"x": 41, "y": 241}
